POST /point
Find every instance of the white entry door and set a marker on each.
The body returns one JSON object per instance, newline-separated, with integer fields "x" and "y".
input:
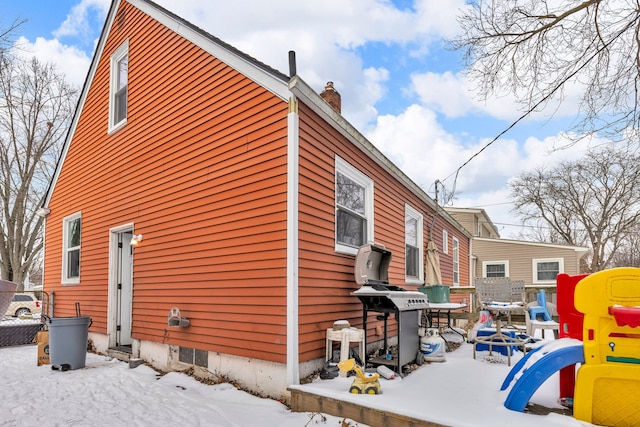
{"x": 125, "y": 289}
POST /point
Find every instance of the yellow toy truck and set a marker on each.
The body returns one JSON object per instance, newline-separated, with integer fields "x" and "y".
{"x": 364, "y": 382}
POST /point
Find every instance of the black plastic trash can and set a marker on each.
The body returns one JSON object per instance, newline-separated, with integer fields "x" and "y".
{"x": 68, "y": 338}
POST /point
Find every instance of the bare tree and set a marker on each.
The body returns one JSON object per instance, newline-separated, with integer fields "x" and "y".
{"x": 629, "y": 253}
{"x": 540, "y": 49}
{"x": 592, "y": 202}
{"x": 36, "y": 105}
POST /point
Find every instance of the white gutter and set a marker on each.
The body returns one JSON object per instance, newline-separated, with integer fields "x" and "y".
{"x": 293, "y": 133}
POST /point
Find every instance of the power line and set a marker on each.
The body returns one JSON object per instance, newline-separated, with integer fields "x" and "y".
{"x": 534, "y": 107}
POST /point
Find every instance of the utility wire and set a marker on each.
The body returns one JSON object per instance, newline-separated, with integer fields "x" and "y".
{"x": 536, "y": 105}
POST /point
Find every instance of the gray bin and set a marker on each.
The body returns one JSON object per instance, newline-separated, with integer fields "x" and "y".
{"x": 68, "y": 341}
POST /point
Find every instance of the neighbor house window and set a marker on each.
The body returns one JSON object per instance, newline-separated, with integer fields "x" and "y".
{"x": 445, "y": 242}
{"x": 413, "y": 238}
{"x": 455, "y": 253}
{"x": 71, "y": 230}
{"x": 354, "y": 208}
{"x": 546, "y": 270}
{"x": 495, "y": 269}
{"x": 119, "y": 87}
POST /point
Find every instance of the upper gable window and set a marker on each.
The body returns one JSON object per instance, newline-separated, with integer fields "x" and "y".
{"x": 71, "y": 229}
{"x": 119, "y": 87}
{"x": 354, "y": 208}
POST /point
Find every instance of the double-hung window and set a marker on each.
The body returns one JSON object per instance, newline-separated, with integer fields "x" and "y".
{"x": 118, "y": 98}
{"x": 354, "y": 208}
{"x": 413, "y": 237}
{"x": 495, "y": 269}
{"x": 445, "y": 242}
{"x": 71, "y": 229}
{"x": 455, "y": 254}
{"x": 546, "y": 270}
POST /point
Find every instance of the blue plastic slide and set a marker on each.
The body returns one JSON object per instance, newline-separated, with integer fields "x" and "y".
{"x": 536, "y": 374}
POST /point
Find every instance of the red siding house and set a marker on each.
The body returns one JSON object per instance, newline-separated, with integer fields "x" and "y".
{"x": 197, "y": 178}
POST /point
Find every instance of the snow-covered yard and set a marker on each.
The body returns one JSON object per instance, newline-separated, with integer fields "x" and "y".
{"x": 459, "y": 392}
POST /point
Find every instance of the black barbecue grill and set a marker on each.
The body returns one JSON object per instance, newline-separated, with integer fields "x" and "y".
{"x": 378, "y": 296}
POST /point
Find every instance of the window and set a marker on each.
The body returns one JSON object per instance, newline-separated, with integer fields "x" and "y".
{"x": 71, "y": 248}
{"x": 455, "y": 249}
{"x": 445, "y": 242}
{"x": 546, "y": 270}
{"x": 119, "y": 87}
{"x": 495, "y": 269}
{"x": 354, "y": 208}
{"x": 413, "y": 238}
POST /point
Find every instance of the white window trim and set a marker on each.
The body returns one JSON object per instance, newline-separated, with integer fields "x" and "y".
{"x": 120, "y": 53}
{"x": 455, "y": 248}
{"x": 413, "y": 213}
{"x": 445, "y": 242}
{"x": 534, "y": 268}
{"x": 504, "y": 262}
{"x": 65, "y": 226}
{"x": 354, "y": 174}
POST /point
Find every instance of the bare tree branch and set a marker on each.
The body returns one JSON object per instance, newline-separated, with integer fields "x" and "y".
{"x": 543, "y": 50}
{"x": 592, "y": 202}
{"x": 36, "y": 105}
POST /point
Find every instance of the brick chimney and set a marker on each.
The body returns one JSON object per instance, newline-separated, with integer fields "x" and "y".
{"x": 332, "y": 97}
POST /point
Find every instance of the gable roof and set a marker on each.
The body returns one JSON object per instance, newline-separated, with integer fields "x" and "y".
{"x": 271, "y": 79}
{"x": 578, "y": 249}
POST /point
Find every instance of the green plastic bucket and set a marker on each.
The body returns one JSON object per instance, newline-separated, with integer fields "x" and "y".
{"x": 436, "y": 293}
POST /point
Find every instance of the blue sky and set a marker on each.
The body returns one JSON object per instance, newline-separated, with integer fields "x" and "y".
{"x": 400, "y": 86}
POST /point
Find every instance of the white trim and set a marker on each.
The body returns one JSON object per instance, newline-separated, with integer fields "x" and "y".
{"x": 414, "y": 214}
{"x": 116, "y": 57}
{"x": 293, "y": 131}
{"x": 112, "y": 285}
{"x": 455, "y": 253}
{"x": 311, "y": 98}
{"x": 252, "y": 71}
{"x": 65, "y": 223}
{"x": 503, "y": 262}
{"x": 445, "y": 241}
{"x": 538, "y": 244}
{"x": 534, "y": 268}
{"x": 267, "y": 80}
{"x": 354, "y": 174}
{"x": 83, "y": 97}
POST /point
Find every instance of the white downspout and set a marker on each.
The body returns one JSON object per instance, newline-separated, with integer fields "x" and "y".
{"x": 293, "y": 371}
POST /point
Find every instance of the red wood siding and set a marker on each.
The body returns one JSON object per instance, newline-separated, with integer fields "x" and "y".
{"x": 200, "y": 168}
{"x": 326, "y": 278}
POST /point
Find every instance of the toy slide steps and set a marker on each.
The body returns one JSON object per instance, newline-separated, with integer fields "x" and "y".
{"x": 536, "y": 374}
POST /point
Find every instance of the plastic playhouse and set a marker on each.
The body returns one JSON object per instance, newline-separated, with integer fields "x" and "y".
{"x": 607, "y": 388}
{"x": 601, "y": 332}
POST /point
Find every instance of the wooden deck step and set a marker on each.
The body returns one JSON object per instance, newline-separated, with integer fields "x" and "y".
{"x": 304, "y": 401}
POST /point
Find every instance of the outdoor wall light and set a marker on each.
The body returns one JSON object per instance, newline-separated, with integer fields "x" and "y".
{"x": 136, "y": 239}
{"x": 43, "y": 212}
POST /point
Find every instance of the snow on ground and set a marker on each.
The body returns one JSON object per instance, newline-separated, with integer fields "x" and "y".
{"x": 108, "y": 393}
{"x": 459, "y": 392}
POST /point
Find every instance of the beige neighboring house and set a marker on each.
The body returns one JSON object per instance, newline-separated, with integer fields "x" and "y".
{"x": 535, "y": 263}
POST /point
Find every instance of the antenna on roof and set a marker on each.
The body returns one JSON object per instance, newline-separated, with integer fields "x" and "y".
{"x": 292, "y": 63}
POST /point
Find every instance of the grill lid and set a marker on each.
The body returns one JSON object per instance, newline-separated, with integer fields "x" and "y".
{"x": 372, "y": 265}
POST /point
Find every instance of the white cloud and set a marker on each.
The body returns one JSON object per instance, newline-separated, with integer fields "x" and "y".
{"x": 70, "y": 61}
{"x": 426, "y": 152}
{"x": 78, "y": 22}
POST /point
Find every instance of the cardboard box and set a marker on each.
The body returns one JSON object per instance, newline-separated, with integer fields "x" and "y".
{"x": 42, "y": 338}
